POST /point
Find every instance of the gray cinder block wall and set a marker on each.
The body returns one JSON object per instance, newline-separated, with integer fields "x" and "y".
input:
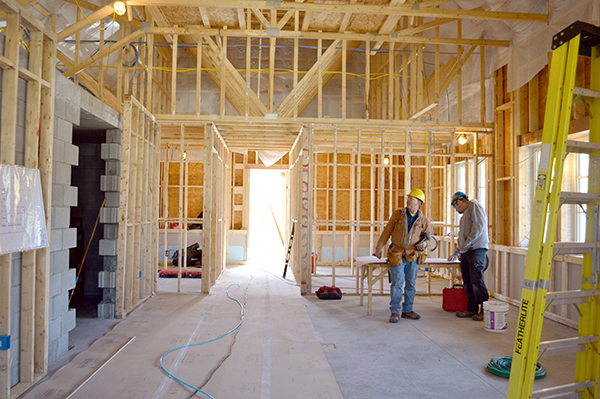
{"x": 64, "y": 196}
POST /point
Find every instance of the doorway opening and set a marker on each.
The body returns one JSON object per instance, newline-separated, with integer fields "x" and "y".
{"x": 268, "y": 219}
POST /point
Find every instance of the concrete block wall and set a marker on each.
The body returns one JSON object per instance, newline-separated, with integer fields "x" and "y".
{"x": 64, "y": 196}
{"x": 111, "y": 154}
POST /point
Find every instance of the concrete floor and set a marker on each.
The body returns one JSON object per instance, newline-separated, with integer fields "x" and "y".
{"x": 290, "y": 346}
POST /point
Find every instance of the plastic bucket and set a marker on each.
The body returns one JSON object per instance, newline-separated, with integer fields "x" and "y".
{"x": 495, "y": 316}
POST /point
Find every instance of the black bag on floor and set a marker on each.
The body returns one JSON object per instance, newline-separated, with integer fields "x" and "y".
{"x": 326, "y": 292}
{"x": 193, "y": 256}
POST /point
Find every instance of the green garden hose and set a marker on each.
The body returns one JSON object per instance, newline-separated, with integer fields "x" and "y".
{"x": 500, "y": 366}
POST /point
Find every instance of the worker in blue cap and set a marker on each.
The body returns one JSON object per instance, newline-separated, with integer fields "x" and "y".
{"x": 473, "y": 244}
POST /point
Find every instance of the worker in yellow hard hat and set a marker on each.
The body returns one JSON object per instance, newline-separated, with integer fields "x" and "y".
{"x": 409, "y": 230}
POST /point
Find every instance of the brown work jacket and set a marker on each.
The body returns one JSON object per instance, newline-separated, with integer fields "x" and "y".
{"x": 403, "y": 241}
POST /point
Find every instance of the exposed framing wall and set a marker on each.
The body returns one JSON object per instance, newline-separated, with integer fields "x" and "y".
{"x": 137, "y": 259}
{"x": 32, "y": 348}
{"x": 217, "y": 206}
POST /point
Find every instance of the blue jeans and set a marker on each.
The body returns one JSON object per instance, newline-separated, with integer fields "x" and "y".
{"x": 403, "y": 275}
{"x": 471, "y": 267}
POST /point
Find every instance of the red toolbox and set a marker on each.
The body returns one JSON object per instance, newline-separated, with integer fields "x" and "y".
{"x": 454, "y": 299}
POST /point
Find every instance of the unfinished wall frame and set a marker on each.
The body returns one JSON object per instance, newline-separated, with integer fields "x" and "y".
{"x": 30, "y": 342}
{"x": 361, "y": 175}
{"x": 217, "y": 206}
{"x": 137, "y": 261}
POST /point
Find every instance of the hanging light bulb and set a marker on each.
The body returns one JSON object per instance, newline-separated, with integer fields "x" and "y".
{"x": 386, "y": 160}
{"x": 184, "y": 155}
{"x": 463, "y": 139}
{"x": 120, "y": 8}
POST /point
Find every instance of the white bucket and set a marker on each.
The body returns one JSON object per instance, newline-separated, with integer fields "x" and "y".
{"x": 495, "y": 316}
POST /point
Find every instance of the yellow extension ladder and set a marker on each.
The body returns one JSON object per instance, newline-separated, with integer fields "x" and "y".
{"x": 577, "y": 39}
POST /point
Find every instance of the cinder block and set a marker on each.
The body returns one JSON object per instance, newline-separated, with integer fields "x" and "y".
{"x": 69, "y": 238}
{"x": 58, "y": 150}
{"x": 59, "y": 261}
{"x": 61, "y": 173}
{"x": 68, "y": 279}
{"x": 72, "y": 113}
{"x": 70, "y": 196}
{"x": 60, "y": 305}
{"x": 109, "y": 215}
{"x": 56, "y": 240}
{"x": 110, "y": 263}
{"x": 106, "y": 310}
{"x": 61, "y": 217}
{"x": 108, "y": 248}
{"x": 58, "y": 191}
{"x": 68, "y": 321}
{"x": 54, "y": 328}
{"x": 56, "y": 285}
{"x": 110, "y": 151}
{"x": 112, "y": 167}
{"x": 111, "y": 231}
{"x": 65, "y": 88}
{"x": 109, "y": 183}
{"x": 106, "y": 279}
{"x": 60, "y": 107}
{"x": 16, "y": 274}
{"x": 114, "y": 136}
{"x": 112, "y": 199}
{"x": 71, "y": 154}
{"x": 15, "y": 303}
{"x": 64, "y": 129}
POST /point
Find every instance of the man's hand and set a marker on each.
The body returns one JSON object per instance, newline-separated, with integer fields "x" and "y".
{"x": 452, "y": 258}
{"x": 421, "y": 245}
{"x": 378, "y": 253}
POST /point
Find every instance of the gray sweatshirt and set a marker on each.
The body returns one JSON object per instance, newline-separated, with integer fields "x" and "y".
{"x": 473, "y": 229}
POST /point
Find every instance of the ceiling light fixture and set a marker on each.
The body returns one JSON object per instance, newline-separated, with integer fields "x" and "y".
{"x": 120, "y": 8}
{"x": 463, "y": 139}
{"x": 386, "y": 160}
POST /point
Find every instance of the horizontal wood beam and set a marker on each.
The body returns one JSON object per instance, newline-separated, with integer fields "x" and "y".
{"x": 576, "y": 126}
{"x": 402, "y": 10}
{"x": 289, "y": 34}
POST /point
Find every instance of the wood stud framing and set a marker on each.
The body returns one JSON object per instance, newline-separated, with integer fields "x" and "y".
{"x": 39, "y": 131}
{"x": 324, "y": 151}
{"x": 138, "y": 217}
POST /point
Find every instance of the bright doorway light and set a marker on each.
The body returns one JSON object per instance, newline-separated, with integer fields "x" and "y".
{"x": 267, "y": 221}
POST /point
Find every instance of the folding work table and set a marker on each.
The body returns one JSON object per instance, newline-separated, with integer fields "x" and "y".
{"x": 374, "y": 269}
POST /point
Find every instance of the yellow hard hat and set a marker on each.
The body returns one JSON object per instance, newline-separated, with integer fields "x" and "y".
{"x": 418, "y": 194}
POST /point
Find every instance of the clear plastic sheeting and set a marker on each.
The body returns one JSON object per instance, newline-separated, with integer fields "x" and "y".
{"x": 270, "y": 157}
{"x": 22, "y": 216}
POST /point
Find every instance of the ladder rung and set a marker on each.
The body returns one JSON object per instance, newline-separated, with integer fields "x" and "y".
{"x": 568, "y": 388}
{"x": 566, "y": 297}
{"x": 582, "y": 146}
{"x": 574, "y": 247}
{"x": 586, "y": 92}
{"x": 565, "y": 345}
{"x": 569, "y": 197}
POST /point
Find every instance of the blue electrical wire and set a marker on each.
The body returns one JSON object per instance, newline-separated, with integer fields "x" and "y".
{"x": 160, "y": 361}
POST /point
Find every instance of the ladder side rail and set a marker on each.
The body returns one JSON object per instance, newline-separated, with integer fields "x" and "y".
{"x": 539, "y": 307}
{"x": 588, "y": 362}
{"x": 519, "y": 360}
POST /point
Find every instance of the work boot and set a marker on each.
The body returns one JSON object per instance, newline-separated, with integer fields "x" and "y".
{"x": 464, "y": 313}
{"x": 411, "y": 315}
{"x": 477, "y": 317}
{"x": 394, "y": 318}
